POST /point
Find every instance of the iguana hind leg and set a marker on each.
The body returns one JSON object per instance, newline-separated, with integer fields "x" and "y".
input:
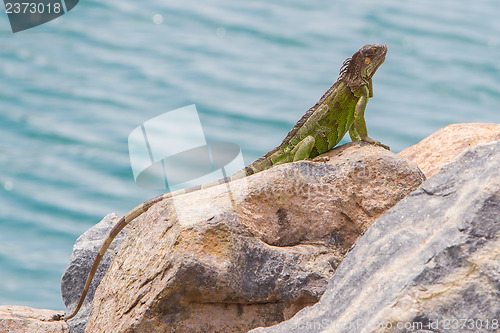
{"x": 353, "y": 133}
{"x": 303, "y": 149}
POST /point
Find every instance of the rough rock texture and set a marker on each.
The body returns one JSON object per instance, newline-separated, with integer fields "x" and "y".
{"x": 430, "y": 264}
{"x": 228, "y": 261}
{"x": 443, "y": 146}
{"x": 22, "y": 319}
{"x": 84, "y": 253}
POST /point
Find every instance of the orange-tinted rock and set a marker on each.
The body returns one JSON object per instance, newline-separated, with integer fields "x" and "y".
{"x": 445, "y": 145}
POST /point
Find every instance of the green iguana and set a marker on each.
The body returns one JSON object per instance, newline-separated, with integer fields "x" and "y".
{"x": 341, "y": 109}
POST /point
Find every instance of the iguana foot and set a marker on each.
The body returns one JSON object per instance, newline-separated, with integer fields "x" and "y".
{"x": 383, "y": 146}
{"x": 375, "y": 142}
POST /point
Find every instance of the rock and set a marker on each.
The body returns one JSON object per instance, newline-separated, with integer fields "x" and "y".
{"x": 22, "y": 319}
{"x": 446, "y": 144}
{"x": 84, "y": 253}
{"x": 227, "y": 261}
{"x": 430, "y": 264}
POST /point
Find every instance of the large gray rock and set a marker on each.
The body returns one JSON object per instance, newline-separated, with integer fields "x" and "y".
{"x": 84, "y": 253}
{"x": 227, "y": 261}
{"x": 430, "y": 264}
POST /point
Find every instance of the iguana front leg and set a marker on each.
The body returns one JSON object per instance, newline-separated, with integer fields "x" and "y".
{"x": 358, "y": 131}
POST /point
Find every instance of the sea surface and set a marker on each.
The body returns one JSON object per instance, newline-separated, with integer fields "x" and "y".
{"x": 73, "y": 89}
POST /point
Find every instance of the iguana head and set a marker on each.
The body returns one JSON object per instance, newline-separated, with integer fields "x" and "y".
{"x": 361, "y": 67}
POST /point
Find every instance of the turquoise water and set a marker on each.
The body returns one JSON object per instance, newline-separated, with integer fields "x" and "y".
{"x": 73, "y": 89}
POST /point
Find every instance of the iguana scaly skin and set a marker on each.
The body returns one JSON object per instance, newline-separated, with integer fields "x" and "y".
{"x": 341, "y": 109}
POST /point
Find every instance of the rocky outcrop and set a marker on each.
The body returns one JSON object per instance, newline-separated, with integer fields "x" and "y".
{"x": 84, "y": 252}
{"x": 249, "y": 253}
{"x": 446, "y": 144}
{"x": 22, "y": 319}
{"x": 430, "y": 264}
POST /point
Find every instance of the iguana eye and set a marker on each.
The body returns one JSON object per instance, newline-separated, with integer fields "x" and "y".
{"x": 367, "y": 60}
